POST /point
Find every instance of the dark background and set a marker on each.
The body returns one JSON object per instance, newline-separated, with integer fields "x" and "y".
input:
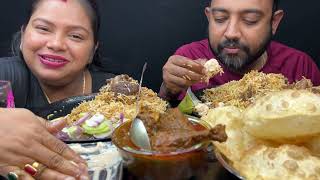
{"x": 151, "y": 30}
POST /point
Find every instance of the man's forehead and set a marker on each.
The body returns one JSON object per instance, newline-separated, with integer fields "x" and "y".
{"x": 263, "y": 5}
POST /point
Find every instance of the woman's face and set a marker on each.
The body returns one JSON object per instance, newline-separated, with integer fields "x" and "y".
{"x": 58, "y": 41}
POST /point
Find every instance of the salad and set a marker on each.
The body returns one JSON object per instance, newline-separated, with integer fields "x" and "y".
{"x": 89, "y": 126}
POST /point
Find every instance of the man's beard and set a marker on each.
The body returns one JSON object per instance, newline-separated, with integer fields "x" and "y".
{"x": 238, "y": 61}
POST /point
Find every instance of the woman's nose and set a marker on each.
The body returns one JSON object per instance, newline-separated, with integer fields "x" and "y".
{"x": 56, "y": 43}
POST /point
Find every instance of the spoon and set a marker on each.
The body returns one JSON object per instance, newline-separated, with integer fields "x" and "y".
{"x": 138, "y": 132}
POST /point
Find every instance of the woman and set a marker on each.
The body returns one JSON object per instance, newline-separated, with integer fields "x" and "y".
{"x": 57, "y": 51}
{"x": 58, "y": 47}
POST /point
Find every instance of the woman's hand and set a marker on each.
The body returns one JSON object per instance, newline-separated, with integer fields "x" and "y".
{"x": 26, "y": 138}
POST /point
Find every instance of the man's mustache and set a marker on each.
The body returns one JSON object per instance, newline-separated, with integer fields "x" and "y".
{"x": 230, "y": 43}
{"x": 233, "y": 44}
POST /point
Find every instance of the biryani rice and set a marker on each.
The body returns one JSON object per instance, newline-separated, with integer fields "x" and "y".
{"x": 240, "y": 93}
{"x": 112, "y": 105}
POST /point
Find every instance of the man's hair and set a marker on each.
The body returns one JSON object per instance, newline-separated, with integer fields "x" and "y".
{"x": 275, "y": 5}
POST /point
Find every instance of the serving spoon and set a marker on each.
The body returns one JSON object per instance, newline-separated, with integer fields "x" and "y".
{"x": 138, "y": 132}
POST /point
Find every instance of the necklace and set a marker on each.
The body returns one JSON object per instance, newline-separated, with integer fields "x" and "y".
{"x": 83, "y": 87}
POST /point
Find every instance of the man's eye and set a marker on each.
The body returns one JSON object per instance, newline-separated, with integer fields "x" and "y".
{"x": 250, "y": 22}
{"x": 220, "y": 20}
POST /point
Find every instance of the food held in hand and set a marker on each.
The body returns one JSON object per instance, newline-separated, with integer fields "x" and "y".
{"x": 212, "y": 68}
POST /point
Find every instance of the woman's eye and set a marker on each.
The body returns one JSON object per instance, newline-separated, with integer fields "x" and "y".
{"x": 42, "y": 28}
{"x": 76, "y": 37}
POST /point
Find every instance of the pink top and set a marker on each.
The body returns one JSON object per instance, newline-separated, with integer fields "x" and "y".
{"x": 292, "y": 63}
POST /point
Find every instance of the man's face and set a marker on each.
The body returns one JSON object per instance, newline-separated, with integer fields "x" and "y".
{"x": 239, "y": 30}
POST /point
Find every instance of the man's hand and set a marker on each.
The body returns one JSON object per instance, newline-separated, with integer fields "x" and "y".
{"x": 179, "y": 73}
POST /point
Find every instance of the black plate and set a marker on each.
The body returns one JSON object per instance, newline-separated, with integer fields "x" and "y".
{"x": 199, "y": 94}
{"x": 63, "y": 108}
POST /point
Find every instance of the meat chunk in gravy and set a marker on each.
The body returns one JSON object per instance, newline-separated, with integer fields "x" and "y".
{"x": 173, "y": 131}
{"x": 123, "y": 84}
{"x": 173, "y": 139}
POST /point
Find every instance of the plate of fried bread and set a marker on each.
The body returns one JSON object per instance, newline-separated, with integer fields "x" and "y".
{"x": 273, "y": 128}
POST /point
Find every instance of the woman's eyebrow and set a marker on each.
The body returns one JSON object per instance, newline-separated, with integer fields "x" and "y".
{"x": 42, "y": 20}
{"x": 76, "y": 27}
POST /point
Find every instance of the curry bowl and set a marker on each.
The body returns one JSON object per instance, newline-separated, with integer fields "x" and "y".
{"x": 182, "y": 164}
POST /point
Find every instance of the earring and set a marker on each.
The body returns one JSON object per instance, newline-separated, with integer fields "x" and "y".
{"x": 20, "y": 46}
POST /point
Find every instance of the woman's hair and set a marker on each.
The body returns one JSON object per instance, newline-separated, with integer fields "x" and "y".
{"x": 93, "y": 12}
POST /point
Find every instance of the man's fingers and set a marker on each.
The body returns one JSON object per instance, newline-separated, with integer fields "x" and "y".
{"x": 188, "y": 64}
{"x": 177, "y": 84}
{"x": 201, "y": 61}
{"x": 185, "y": 73}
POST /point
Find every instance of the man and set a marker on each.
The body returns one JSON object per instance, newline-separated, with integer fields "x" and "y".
{"x": 240, "y": 33}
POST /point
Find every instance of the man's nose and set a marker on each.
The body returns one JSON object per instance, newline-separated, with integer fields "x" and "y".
{"x": 233, "y": 31}
{"x": 56, "y": 43}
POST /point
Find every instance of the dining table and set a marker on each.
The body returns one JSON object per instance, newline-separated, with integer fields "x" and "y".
{"x": 215, "y": 171}
{"x": 113, "y": 167}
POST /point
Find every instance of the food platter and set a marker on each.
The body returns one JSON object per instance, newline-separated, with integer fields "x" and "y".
{"x": 64, "y": 107}
{"x": 93, "y": 117}
{"x": 224, "y": 161}
{"x": 261, "y": 140}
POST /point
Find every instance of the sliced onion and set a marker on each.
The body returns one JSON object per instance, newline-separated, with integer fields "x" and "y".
{"x": 121, "y": 118}
{"x": 95, "y": 120}
{"x": 82, "y": 119}
{"x": 92, "y": 123}
{"x": 62, "y": 136}
{"x": 79, "y": 132}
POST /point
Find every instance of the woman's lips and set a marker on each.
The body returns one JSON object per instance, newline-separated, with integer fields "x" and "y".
{"x": 52, "y": 61}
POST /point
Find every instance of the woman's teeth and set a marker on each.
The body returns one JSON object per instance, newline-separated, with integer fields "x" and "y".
{"x": 53, "y": 60}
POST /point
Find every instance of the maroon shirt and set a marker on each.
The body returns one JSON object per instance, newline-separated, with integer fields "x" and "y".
{"x": 292, "y": 63}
